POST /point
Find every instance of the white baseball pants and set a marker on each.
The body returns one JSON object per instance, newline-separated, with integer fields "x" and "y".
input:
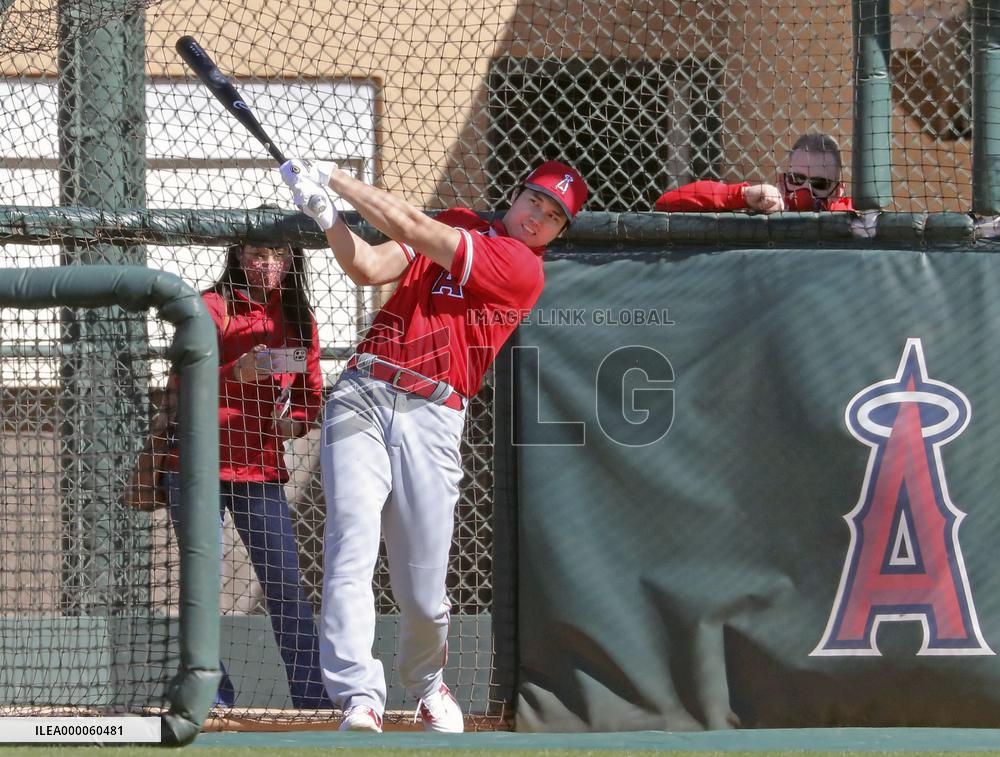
{"x": 391, "y": 462}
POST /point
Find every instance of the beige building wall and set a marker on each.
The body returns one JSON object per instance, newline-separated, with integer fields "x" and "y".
{"x": 786, "y": 69}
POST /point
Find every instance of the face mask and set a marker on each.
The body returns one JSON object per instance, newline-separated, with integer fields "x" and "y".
{"x": 267, "y": 274}
{"x": 804, "y": 197}
{"x": 803, "y": 200}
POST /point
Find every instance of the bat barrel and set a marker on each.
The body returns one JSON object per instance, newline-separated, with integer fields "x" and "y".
{"x": 224, "y": 91}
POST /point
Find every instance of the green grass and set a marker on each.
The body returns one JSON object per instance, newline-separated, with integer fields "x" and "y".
{"x": 196, "y": 751}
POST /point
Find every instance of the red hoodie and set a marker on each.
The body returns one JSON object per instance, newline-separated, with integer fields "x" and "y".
{"x": 249, "y": 449}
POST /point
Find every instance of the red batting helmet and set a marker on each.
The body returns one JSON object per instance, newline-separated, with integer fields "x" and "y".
{"x": 562, "y": 183}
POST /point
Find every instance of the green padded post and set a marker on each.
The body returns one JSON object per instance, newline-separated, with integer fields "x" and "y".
{"x": 872, "y": 154}
{"x": 985, "y": 17}
{"x": 101, "y": 127}
{"x": 194, "y": 356}
{"x": 101, "y": 116}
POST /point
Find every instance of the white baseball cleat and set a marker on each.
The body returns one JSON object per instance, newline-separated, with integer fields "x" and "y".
{"x": 361, "y": 718}
{"x": 441, "y": 713}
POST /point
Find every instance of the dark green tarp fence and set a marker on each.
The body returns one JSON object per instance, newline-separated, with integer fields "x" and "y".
{"x": 684, "y": 558}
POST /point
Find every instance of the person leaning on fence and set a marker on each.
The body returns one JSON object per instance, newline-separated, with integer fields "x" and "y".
{"x": 393, "y": 424}
{"x": 270, "y": 390}
{"x": 812, "y": 182}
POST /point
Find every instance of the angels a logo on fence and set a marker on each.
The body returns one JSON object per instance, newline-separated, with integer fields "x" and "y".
{"x": 904, "y": 562}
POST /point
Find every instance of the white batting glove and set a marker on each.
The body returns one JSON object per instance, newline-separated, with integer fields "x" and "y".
{"x": 292, "y": 171}
{"x": 295, "y": 170}
{"x": 313, "y": 200}
{"x": 320, "y": 170}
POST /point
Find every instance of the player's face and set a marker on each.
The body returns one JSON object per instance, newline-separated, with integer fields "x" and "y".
{"x": 534, "y": 218}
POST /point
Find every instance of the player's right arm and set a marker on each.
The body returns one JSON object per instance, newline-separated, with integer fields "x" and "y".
{"x": 411, "y": 229}
{"x": 366, "y": 264}
{"x": 407, "y": 226}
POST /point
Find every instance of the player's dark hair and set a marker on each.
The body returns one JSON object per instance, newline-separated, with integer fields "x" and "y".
{"x": 294, "y": 289}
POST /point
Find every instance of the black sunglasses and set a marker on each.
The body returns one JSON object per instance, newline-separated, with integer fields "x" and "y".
{"x": 819, "y": 183}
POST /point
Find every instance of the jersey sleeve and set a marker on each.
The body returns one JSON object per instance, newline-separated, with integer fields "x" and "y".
{"x": 704, "y": 196}
{"x": 408, "y": 252}
{"x": 498, "y": 270}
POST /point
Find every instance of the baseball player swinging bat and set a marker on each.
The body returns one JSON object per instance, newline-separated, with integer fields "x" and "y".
{"x": 203, "y": 65}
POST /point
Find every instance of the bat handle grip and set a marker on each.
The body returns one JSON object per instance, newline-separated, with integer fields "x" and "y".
{"x": 277, "y": 154}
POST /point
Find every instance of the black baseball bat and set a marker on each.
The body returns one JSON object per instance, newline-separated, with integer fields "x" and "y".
{"x": 200, "y": 62}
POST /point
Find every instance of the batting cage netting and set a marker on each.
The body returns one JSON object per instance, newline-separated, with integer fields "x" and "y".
{"x": 111, "y": 151}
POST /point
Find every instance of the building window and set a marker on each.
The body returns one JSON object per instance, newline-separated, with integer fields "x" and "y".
{"x": 633, "y": 128}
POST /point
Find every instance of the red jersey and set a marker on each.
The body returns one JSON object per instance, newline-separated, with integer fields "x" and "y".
{"x": 449, "y": 325}
{"x": 249, "y": 448}
{"x": 713, "y": 196}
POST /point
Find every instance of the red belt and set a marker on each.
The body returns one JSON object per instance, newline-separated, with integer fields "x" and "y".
{"x": 408, "y": 381}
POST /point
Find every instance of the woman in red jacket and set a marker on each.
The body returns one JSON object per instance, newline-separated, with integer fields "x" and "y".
{"x": 813, "y": 182}
{"x": 270, "y": 388}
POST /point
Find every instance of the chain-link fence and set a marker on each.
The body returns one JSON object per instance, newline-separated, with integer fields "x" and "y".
{"x": 89, "y": 588}
{"x": 453, "y": 102}
{"x": 444, "y": 103}
{"x": 74, "y": 420}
